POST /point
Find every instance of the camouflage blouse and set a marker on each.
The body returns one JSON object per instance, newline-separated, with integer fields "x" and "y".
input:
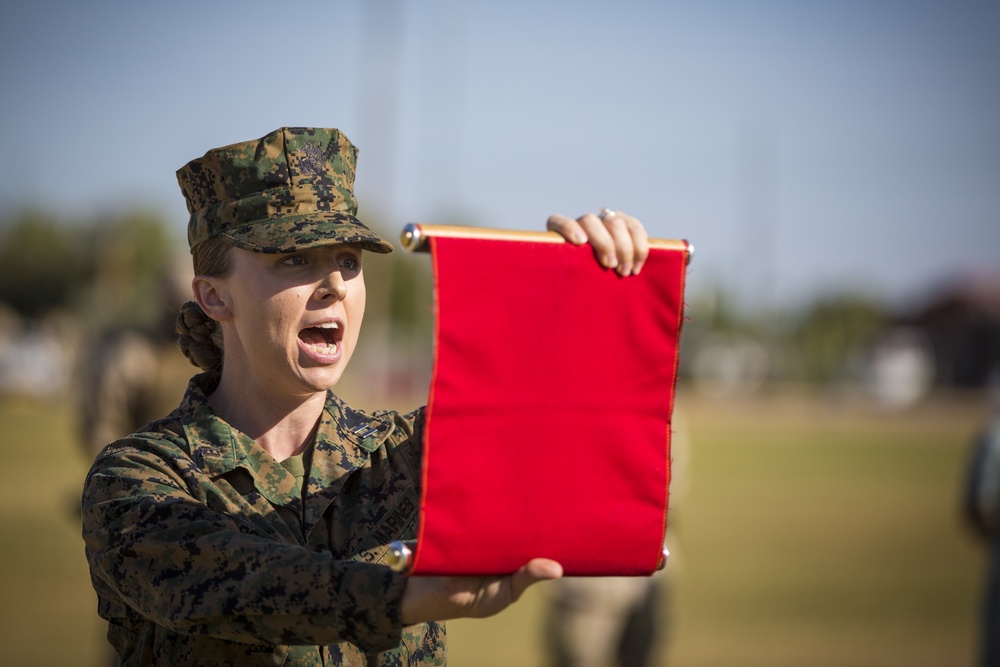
{"x": 204, "y": 550}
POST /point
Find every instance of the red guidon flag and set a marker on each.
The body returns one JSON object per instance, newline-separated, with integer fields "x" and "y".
{"x": 548, "y": 423}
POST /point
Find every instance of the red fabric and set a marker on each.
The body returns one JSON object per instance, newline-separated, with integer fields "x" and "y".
{"x": 548, "y": 424}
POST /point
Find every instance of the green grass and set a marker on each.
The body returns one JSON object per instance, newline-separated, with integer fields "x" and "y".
{"x": 810, "y": 532}
{"x": 828, "y": 535}
{"x": 48, "y": 614}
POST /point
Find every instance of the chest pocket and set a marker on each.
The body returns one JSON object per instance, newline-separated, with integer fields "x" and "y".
{"x": 373, "y": 531}
{"x": 398, "y": 522}
{"x": 236, "y": 495}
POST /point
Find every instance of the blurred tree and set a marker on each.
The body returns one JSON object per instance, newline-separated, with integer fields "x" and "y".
{"x": 712, "y": 317}
{"x": 411, "y": 305}
{"x": 112, "y": 270}
{"x": 44, "y": 266}
{"x": 716, "y": 313}
{"x": 135, "y": 258}
{"x": 819, "y": 343}
{"x": 833, "y": 330}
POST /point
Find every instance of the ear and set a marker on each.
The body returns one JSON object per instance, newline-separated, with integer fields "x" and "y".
{"x": 210, "y": 294}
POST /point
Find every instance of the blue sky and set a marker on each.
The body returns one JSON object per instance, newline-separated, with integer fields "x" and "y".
{"x": 804, "y": 147}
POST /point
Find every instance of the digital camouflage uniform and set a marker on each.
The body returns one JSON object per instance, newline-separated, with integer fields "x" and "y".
{"x": 204, "y": 550}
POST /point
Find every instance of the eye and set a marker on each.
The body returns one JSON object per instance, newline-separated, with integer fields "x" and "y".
{"x": 350, "y": 263}
{"x": 294, "y": 260}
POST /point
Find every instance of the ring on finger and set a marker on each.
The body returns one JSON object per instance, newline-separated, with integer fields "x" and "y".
{"x": 606, "y": 213}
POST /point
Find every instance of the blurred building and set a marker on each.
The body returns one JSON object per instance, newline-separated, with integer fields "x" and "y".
{"x": 956, "y": 329}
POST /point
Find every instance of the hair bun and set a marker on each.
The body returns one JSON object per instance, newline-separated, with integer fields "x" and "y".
{"x": 199, "y": 337}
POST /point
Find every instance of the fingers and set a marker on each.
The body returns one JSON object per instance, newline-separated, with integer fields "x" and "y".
{"x": 605, "y": 236}
{"x": 444, "y": 598}
{"x": 620, "y": 241}
{"x": 538, "y": 569}
{"x": 569, "y": 228}
{"x": 629, "y": 239}
{"x": 640, "y": 242}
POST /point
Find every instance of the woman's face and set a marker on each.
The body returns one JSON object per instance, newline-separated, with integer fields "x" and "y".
{"x": 294, "y": 318}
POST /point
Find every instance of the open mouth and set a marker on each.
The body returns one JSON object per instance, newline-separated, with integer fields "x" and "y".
{"x": 322, "y": 339}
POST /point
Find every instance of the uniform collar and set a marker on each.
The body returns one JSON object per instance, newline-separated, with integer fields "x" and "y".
{"x": 218, "y": 448}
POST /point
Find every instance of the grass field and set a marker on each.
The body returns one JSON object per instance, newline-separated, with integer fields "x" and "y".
{"x": 809, "y": 532}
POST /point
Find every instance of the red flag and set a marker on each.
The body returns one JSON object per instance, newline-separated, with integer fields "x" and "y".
{"x": 548, "y": 423}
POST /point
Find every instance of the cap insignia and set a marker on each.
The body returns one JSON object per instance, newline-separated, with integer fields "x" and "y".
{"x": 312, "y": 160}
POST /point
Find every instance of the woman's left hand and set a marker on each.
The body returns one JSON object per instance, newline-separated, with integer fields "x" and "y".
{"x": 443, "y": 598}
{"x": 619, "y": 240}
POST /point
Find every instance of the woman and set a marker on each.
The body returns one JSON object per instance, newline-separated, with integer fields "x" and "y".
{"x": 249, "y": 526}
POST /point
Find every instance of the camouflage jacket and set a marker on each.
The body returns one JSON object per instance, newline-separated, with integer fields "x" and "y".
{"x": 204, "y": 550}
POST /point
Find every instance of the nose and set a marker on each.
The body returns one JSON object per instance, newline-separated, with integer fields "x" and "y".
{"x": 333, "y": 286}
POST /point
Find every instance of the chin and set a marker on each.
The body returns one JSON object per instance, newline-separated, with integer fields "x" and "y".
{"x": 321, "y": 381}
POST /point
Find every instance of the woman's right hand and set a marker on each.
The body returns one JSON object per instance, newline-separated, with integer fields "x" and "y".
{"x": 442, "y": 598}
{"x": 620, "y": 241}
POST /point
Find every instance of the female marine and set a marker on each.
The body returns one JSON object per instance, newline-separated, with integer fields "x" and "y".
{"x": 250, "y": 525}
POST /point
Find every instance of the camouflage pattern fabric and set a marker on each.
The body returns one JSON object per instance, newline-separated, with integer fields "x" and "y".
{"x": 204, "y": 550}
{"x": 289, "y": 190}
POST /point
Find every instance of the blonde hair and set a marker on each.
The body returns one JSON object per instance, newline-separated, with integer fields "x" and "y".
{"x": 199, "y": 336}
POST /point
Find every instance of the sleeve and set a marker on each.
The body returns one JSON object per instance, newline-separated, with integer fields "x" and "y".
{"x": 154, "y": 547}
{"x": 408, "y": 438}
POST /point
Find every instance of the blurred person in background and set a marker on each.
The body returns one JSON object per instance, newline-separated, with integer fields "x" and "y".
{"x": 617, "y": 621}
{"x": 604, "y": 621}
{"x": 130, "y": 374}
{"x": 981, "y": 506}
{"x": 251, "y": 525}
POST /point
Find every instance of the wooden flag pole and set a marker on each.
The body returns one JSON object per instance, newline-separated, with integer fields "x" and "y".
{"x": 415, "y": 237}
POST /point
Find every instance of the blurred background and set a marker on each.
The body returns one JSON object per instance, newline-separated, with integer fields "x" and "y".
{"x": 836, "y": 166}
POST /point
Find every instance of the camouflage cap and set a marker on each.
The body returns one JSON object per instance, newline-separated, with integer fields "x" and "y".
{"x": 289, "y": 190}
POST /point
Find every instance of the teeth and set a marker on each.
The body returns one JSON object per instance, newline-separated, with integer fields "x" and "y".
{"x": 321, "y": 346}
{"x": 325, "y": 348}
